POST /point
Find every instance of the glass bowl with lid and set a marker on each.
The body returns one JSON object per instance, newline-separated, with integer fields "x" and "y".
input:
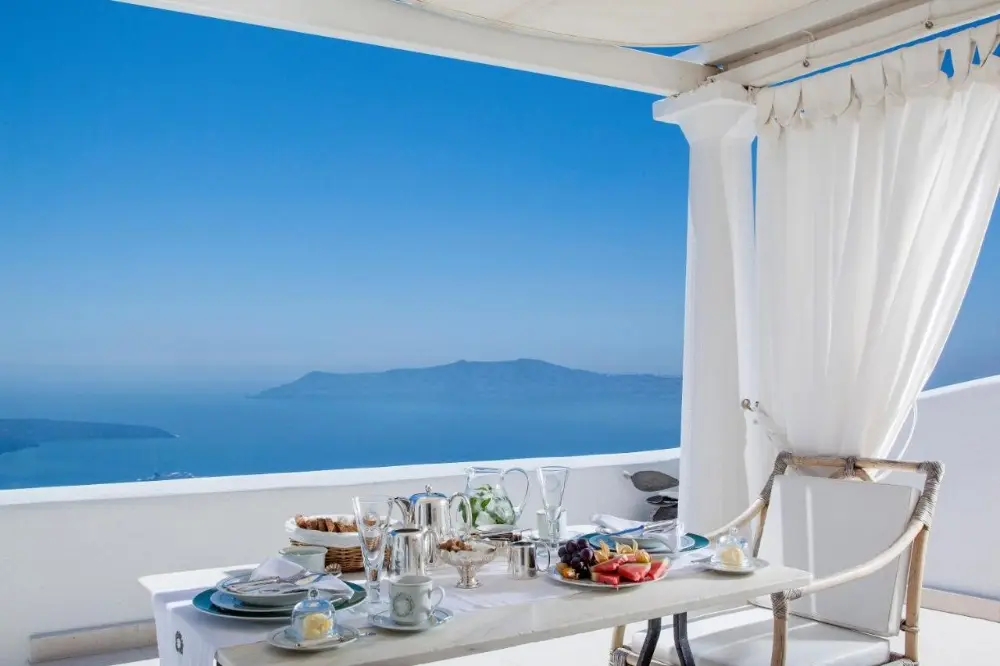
{"x": 312, "y": 618}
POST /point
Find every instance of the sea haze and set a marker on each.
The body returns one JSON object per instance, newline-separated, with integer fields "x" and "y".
{"x": 457, "y": 412}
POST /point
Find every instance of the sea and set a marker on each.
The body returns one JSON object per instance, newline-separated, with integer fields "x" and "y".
{"x": 222, "y": 433}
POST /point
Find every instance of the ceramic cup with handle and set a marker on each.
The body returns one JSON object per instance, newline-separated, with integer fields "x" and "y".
{"x": 310, "y": 558}
{"x": 412, "y": 599}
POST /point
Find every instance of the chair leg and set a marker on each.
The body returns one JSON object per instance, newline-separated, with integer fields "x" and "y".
{"x": 617, "y": 637}
{"x": 779, "y": 606}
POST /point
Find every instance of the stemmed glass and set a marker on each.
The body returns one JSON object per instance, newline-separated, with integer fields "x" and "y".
{"x": 552, "y": 481}
{"x": 373, "y": 514}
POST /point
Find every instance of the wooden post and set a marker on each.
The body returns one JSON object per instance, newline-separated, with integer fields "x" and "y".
{"x": 617, "y": 637}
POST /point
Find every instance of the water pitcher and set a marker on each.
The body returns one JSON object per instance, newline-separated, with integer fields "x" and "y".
{"x": 488, "y": 495}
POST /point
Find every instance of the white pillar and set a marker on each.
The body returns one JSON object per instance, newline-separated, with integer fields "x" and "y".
{"x": 718, "y": 122}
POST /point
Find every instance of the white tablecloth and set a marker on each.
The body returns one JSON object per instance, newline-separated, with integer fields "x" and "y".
{"x": 188, "y": 637}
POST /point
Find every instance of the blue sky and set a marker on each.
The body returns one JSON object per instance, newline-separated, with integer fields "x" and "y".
{"x": 184, "y": 195}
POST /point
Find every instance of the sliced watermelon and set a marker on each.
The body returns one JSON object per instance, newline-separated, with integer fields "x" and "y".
{"x": 608, "y": 567}
{"x": 627, "y": 557}
{"x": 657, "y": 570}
{"x": 607, "y": 579}
{"x": 634, "y": 571}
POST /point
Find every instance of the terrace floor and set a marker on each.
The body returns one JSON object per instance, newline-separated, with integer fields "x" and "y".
{"x": 946, "y": 640}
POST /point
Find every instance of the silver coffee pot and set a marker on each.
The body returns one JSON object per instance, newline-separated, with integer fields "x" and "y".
{"x": 432, "y": 510}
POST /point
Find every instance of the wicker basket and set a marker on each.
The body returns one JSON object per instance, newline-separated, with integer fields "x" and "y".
{"x": 349, "y": 559}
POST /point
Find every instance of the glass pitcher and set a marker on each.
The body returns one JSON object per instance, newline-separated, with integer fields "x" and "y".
{"x": 488, "y": 498}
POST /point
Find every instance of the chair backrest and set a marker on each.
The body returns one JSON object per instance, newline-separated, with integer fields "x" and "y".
{"x": 824, "y": 526}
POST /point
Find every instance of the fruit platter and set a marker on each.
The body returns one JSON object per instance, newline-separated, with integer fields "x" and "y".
{"x": 603, "y": 568}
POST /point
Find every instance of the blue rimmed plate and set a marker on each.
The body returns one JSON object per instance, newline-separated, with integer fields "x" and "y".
{"x": 689, "y": 542}
{"x": 203, "y": 603}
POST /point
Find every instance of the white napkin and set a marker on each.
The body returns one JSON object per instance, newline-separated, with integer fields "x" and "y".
{"x": 333, "y": 585}
{"x": 282, "y": 568}
{"x": 614, "y": 523}
{"x": 276, "y": 567}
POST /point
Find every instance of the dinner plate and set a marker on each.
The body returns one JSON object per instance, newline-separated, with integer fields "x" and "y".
{"x": 689, "y": 542}
{"x": 286, "y": 594}
{"x": 228, "y": 602}
{"x": 384, "y": 620}
{"x": 279, "y": 638}
{"x": 203, "y": 603}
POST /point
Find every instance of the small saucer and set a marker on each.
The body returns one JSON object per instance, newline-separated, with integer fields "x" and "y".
{"x": 341, "y": 637}
{"x": 755, "y": 565}
{"x": 384, "y": 620}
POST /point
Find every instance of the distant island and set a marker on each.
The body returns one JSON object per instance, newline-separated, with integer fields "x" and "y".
{"x": 18, "y": 434}
{"x": 521, "y": 379}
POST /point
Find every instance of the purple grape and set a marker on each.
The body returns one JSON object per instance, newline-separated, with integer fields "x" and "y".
{"x": 581, "y": 544}
{"x": 562, "y": 551}
{"x": 587, "y": 555}
{"x": 570, "y": 547}
{"x": 576, "y": 561}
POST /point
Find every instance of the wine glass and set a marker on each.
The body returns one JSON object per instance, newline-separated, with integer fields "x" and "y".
{"x": 552, "y": 481}
{"x": 373, "y": 514}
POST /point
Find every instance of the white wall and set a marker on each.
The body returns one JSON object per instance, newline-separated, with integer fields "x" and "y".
{"x": 960, "y": 426}
{"x": 80, "y": 550}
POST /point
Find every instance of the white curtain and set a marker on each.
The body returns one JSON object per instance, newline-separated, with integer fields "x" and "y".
{"x": 875, "y": 185}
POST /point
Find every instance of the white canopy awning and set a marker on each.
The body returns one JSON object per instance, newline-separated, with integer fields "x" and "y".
{"x": 623, "y": 22}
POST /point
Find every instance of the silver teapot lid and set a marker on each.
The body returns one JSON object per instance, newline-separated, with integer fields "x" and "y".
{"x": 428, "y": 494}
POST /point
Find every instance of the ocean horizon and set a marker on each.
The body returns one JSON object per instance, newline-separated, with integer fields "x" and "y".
{"x": 226, "y": 432}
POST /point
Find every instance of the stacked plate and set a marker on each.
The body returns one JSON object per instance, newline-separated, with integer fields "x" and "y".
{"x": 225, "y": 600}
{"x": 689, "y": 542}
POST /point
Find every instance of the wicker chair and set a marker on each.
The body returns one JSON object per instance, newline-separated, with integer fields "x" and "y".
{"x": 842, "y": 528}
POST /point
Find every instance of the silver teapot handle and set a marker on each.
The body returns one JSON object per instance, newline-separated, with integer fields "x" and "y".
{"x": 467, "y": 513}
{"x": 519, "y": 507}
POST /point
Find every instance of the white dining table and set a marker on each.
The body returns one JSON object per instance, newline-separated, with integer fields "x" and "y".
{"x": 502, "y": 613}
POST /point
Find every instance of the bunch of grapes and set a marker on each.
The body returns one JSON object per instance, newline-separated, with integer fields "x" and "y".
{"x": 579, "y": 555}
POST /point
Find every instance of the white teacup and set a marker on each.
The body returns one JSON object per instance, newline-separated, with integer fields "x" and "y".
{"x": 411, "y": 599}
{"x": 310, "y": 558}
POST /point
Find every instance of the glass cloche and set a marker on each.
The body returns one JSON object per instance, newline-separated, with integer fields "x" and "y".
{"x": 732, "y": 551}
{"x": 312, "y": 618}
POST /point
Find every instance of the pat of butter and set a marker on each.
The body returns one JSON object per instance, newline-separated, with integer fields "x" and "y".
{"x": 732, "y": 556}
{"x": 316, "y": 626}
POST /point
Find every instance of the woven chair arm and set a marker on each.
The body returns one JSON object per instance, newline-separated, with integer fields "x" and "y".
{"x": 739, "y": 522}
{"x": 862, "y": 570}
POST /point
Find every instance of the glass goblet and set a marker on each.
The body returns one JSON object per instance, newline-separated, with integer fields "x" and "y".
{"x": 372, "y": 514}
{"x": 552, "y": 482}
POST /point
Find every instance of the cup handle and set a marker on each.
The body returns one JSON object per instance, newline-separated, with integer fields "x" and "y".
{"x": 548, "y": 558}
{"x": 440, "y": 592}
{"x": 519, "y": 507}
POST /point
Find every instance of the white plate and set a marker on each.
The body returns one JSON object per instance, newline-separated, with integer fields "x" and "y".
{"x": 288, "y": 596}
{"x": 226, "y": 601}
{"x": 755, "y": 565}
{"x": 384, "y": 620}
{"x": 591, "y": 585}
{"x": 280, "y": 639}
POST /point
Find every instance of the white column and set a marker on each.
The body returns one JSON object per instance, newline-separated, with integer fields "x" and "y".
{"x": 718, "y": 122}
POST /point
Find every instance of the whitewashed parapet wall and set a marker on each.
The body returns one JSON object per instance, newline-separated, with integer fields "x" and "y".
{"x": 85, "y": 547}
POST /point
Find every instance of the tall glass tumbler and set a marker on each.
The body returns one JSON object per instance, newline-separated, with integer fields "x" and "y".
{"x": 373, "y": 515}
{"x": 552, "y": 482}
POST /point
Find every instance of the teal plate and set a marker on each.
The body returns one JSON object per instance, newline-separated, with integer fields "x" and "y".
{"x": 203, "y": 603}
{"x": 597, "y": 539}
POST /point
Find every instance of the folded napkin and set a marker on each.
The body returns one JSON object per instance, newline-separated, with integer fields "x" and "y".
{"x": 277, "y": 567}
{"x": 614, "y": 523}
{"x": 669, "y": 537}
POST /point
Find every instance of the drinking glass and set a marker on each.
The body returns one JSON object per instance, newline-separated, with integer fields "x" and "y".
{"x": 373, "y": 514}
{"x": 552, "y": 481}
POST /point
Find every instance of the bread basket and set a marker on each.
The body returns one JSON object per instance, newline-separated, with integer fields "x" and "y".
{"x": 342, "y": 548}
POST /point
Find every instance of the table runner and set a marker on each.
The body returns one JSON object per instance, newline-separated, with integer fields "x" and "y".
{"x": 188, "y": 637}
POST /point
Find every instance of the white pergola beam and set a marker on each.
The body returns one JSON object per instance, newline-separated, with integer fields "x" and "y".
{"x": 394, "y": 25}
{"x": 888, "y": 27}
